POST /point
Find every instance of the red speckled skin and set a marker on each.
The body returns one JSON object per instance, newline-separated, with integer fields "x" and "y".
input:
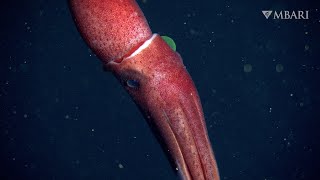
{"x": 164, "y": 91}
{"x": 110, "y": 27}
{"x": 170, "y": 102}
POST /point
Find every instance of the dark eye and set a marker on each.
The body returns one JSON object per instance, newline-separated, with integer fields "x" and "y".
{"x": 133, "y": 83}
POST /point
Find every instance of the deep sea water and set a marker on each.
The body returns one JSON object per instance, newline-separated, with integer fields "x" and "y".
{"x": 63, "y": 117}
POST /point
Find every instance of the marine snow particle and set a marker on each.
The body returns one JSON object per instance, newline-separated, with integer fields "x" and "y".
{"x": 279, "y": 68}
{"x": 120, "y": 166}
{"x": 247, "y": 68}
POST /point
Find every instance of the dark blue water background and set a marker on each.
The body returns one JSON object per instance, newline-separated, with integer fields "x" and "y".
{"x": 63, "y": 117}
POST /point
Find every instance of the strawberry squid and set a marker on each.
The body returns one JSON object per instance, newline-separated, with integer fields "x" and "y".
{"x": 155, "y": 77}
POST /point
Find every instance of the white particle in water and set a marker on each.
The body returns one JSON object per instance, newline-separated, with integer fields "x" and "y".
{"x": 279, "y": 67}
{"x": 120, "y": 166}
{"x": 247, "y": 68}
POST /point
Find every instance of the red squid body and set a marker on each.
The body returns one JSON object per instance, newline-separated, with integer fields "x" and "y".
{"x": 154, "y": 76}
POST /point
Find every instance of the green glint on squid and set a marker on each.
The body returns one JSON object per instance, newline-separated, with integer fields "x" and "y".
{"x": 170, "y": 42}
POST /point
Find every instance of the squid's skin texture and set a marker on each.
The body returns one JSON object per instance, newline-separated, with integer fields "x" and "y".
{"x": 154, "y": 76}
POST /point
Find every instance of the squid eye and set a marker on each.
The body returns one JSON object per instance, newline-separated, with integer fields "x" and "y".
{"x": 133, "y": 83}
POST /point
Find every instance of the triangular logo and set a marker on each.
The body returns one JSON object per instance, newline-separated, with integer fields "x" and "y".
{"x": 267, "y": 14}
